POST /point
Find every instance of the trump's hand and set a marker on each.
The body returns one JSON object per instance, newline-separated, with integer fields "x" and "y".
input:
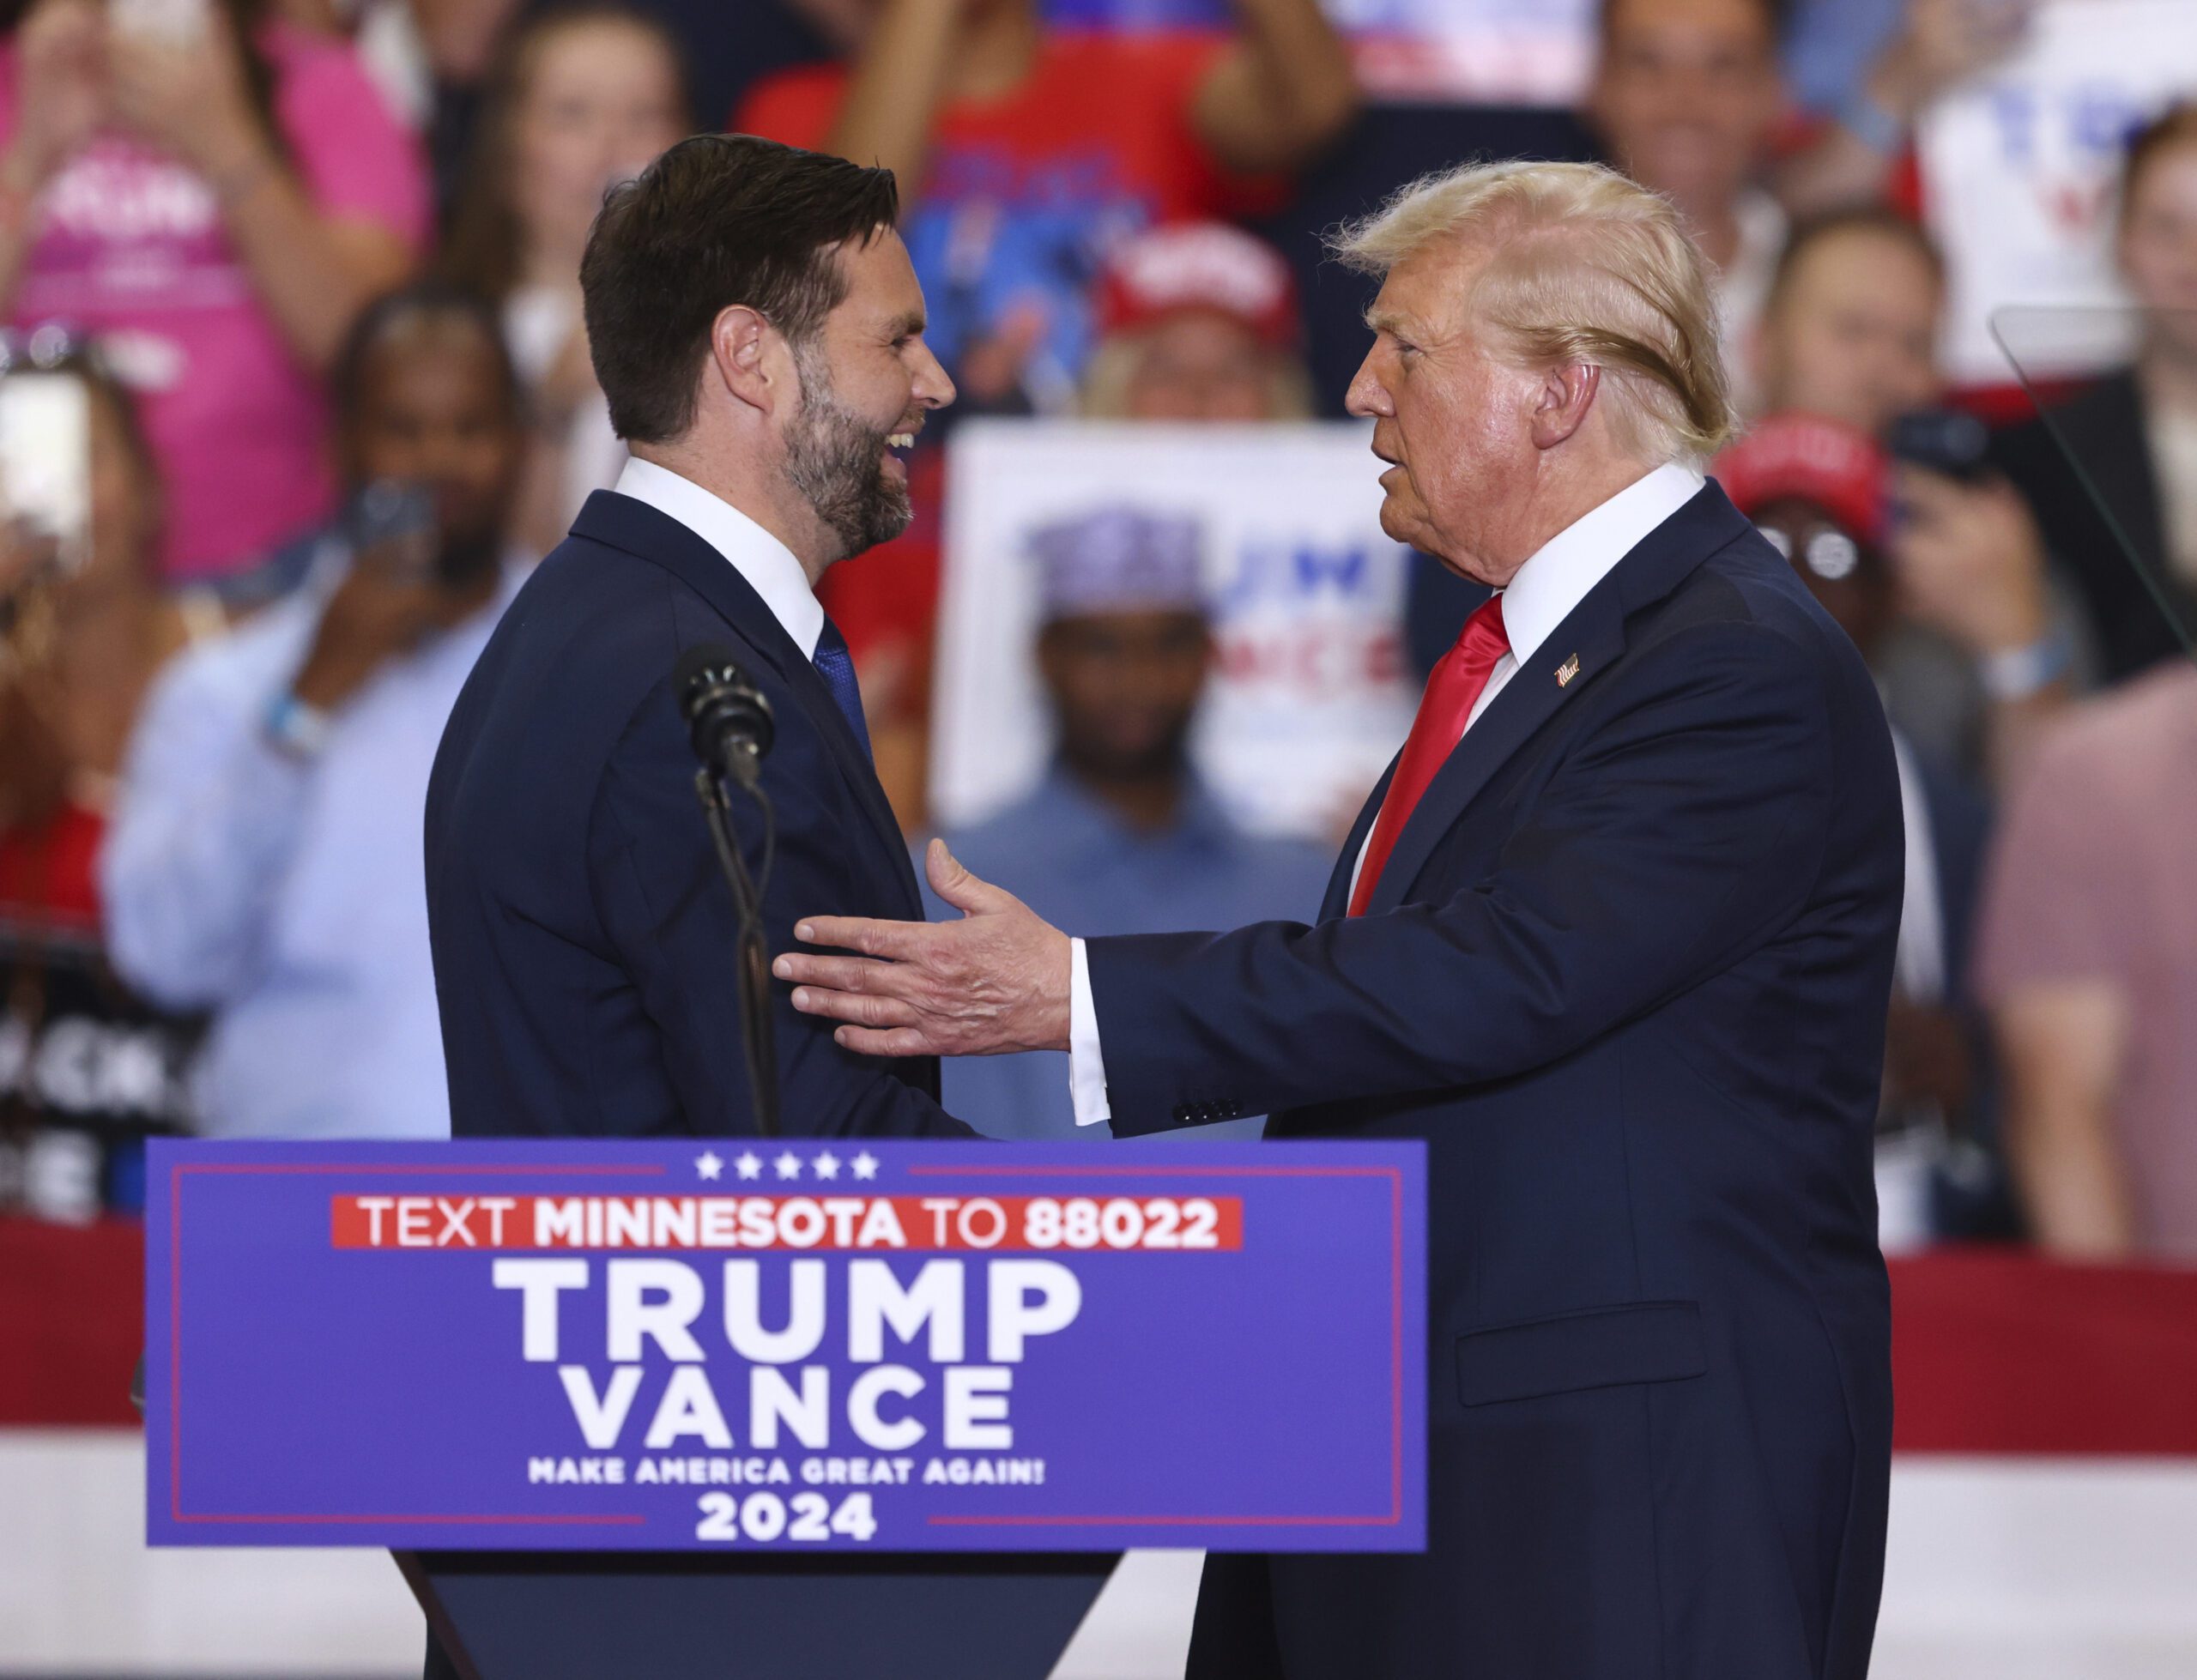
{"x": 997, "y": 980}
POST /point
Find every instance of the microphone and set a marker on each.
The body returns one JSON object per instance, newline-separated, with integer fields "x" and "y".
{"x": 728, "y": 719}
{"x": 728, "y": 722}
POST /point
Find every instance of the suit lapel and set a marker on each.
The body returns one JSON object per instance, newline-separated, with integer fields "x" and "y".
{"x": 1565, "y": 664}
{"x": 1594, "y": 633}
{"x": 635, "y": 528}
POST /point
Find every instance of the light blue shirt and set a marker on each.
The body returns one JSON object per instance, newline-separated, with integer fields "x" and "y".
{"x": 289, "y": 896}
{"x": 1078, "y": 865}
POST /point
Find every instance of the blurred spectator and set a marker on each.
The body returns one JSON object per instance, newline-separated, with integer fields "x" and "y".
{"x": 583, "y": 97}
{"x": 1821, "y": 492}
{"x": 1933, "y": 44}
{"x": 1025, "y": 154}
{"x": 724, "y": 47}
{"x": 218, "y": 204}
{"x": 1849, "y": 330}
{"x": 2087, "y": 959}
{"x": 87, "y": 1070}
{"x": 2130, "y": 441}
{"x": 1686, "y": 97}
{"x": 1989, "y": 643}
{"x": 265, "y": 862}
{"x": 1198, "y": 321}
{"x": 1122, "y": 837}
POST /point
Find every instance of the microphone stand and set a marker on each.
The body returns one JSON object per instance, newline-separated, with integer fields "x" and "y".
{"x": 751, "y": 956}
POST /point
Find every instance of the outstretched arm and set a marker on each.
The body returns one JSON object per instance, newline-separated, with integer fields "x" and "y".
{"x": 1684, "y": 830}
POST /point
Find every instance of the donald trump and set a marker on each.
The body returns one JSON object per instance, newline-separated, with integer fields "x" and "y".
{"x": 1614, "y": 935}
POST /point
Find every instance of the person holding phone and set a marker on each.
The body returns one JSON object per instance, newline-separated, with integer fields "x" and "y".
{"x": 83, "y": 628}
{"x": 216, "y": 193}
{"x": 265, "y": 860}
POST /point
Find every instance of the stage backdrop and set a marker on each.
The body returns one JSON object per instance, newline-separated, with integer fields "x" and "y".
{"x": 1309, "y": 701}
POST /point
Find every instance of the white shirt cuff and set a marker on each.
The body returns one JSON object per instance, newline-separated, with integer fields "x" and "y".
{"x": 1087, "y": 1065}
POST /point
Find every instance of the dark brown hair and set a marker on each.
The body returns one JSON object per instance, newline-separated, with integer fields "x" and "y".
{"x": 718, "y": 219}
{"x": 485, "y": 245}
{"x": 1878, "y": 219}
{"x": 2175, "y": 126}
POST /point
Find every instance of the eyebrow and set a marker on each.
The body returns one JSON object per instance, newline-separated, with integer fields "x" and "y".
{"x": 907, "y": 325}
{"x": 1381, "y": 320}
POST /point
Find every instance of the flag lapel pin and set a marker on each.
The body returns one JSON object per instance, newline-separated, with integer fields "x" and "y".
{"x": 1568, "y": 670}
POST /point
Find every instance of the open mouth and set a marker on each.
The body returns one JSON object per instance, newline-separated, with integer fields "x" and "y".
{"x": 897, "y": 446}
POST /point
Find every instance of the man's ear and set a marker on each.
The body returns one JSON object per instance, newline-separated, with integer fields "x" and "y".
{"x": 1564, "y": 400}
{"x": 750, "y": 358}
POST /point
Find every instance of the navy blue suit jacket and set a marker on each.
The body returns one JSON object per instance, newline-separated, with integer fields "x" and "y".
{"x": 1627, "y": 972}
{"x": 583, "y": 939}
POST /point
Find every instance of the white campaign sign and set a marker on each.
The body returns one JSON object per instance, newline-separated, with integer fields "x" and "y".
{"x": 2020, "y": 167}
{"x": 1533, "y": 52}
{"x": 1310, "y": 699}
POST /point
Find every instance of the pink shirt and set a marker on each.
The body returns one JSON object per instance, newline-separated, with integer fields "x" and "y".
{"x": 131, "y": 247}
{"x": 2095, "y": 877}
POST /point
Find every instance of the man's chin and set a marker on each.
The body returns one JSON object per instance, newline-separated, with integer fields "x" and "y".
{"x": 1399, "y": 525}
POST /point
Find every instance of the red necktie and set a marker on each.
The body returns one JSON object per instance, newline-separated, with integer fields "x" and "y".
{"x": 1444, "y": 711}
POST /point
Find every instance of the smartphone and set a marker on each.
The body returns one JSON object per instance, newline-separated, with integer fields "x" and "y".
{"x": 393, "y": 522}
{"x": 46, "y": 464}
{"x": 1942, "y": 440}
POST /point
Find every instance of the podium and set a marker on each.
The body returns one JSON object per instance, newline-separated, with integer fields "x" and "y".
{"x": 521, "y": 1616}
{"x": 853, "y": 1409}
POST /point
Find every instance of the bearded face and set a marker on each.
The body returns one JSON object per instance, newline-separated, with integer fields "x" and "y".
{"x": 843, "y": 463}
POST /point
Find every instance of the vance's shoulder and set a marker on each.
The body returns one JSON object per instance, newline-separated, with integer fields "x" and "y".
{"x": 585, "y": 640}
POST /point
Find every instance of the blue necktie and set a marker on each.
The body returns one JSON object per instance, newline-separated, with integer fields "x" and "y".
{"x": 837, "y": 667}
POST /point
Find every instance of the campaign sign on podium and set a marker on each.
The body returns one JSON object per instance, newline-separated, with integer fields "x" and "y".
{"x": 790, "y": 1347}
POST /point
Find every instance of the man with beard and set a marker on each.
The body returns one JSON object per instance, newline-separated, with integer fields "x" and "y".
{"x": 757, "y": 329}
{"x": 1123, "y": 835}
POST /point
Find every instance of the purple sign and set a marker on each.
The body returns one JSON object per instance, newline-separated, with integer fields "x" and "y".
{"x": 799, "y": 1344}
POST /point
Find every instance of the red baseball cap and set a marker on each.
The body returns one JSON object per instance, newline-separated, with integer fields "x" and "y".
{"x": 1798, "y": 457}
{"x": 1208, "y": 265}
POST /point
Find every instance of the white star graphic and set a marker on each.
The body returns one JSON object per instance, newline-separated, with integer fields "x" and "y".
{"x": 828, "y": 1165}
{"x": 709, "y": 1164}
{"x": 789, "y": 1165}
{"x": 748, "y": 1164}
{"x": 865, "y": 1165}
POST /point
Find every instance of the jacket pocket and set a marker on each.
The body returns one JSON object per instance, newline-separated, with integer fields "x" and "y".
{"x": 1651, "y": 1341}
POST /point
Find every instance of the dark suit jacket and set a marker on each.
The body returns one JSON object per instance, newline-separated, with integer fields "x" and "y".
{"x": 583, "y": 936}
{"x": 2101, "y": 430}
{"x": 1627, "y": 972}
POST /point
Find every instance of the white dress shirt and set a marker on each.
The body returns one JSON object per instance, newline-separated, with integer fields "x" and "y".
{"x": 767, "y": 564}
{"x": 1540, "y": 597}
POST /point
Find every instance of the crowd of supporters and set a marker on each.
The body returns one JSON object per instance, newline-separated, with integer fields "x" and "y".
{"x": 314, "y": 265}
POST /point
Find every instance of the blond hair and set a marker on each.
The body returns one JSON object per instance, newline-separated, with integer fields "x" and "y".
{"x": 1585, "y": 266}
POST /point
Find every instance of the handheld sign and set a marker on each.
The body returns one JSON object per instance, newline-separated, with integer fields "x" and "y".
{"x": 801, "y": 1345}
